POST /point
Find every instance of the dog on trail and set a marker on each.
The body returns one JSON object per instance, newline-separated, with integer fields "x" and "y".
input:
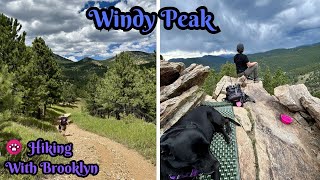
{"x": 185, "y": 147}
{"x": 63, "y": 123}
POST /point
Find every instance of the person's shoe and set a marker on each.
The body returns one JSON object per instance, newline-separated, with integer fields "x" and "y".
{"x": 257, "y": 80}
{"x": 242, "y": 79}
{"x": 249, "y": 78}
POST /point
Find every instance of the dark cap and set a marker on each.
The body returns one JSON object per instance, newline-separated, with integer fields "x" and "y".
{"x": 240, "y": 47}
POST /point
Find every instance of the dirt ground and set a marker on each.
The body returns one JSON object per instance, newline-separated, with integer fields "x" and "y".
{"x": 116, "y": 162}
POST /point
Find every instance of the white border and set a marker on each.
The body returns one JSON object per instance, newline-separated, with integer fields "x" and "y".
{"x": 158, "y": 94}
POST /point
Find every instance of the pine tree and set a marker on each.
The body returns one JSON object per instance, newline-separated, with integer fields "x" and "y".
{"x": 210, "y": 83}
{"x": 267, "y": 81}
{"x": 116, "y": 92}
{"x": 12, "y": 43}
{"x": 48, "y": 74}
{"x": 68, "y": 95}
{"x": 9, "y": 101}
{"x": 145, "y": 101}
{"x": 270, "y": 81}
{"x": 228, "y": 69}
{"x": 279, "y": 78}
{"x": 127, "y": 89}
{"x": 14, "y": 54}
{"x": 91, "y": 97}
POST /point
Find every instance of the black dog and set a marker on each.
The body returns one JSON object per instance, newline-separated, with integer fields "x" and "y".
{"x": 185, "y": 147}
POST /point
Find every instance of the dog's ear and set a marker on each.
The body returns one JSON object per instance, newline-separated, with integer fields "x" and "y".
{"x": 201, "y": 146}
{"x": 165, "y": 151}
{"x": 232, "y": 121}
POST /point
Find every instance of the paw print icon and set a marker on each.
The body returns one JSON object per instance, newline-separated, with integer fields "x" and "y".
{"x": 14, "y": 147}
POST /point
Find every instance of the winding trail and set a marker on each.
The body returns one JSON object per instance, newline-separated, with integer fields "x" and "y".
{"x": 115, "y": 160}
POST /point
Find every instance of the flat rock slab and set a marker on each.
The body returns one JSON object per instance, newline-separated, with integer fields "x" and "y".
{"x": 246, "y": 155}
{"x": 283, "y": 151}
{"x": 242, "y": 116}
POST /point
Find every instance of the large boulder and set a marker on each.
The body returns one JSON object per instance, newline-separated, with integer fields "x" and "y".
{"x": 243, "y": 117}
{"x": 170, "y": 72}
{"x": 298, "y": 118}
{"x": 194, "y": 75}
{"x": 173, "y": 109}
{"x": 208, "y": 98}
{"x": 282, "y": 151}
{"x": 312, "y": 107}
{"x": 224, "y": 82}
{"x": 290, "y": 96}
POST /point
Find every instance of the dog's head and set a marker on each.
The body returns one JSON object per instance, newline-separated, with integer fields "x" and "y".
{"x": 188, "y": 149}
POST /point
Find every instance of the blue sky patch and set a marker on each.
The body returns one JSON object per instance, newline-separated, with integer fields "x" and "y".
{"x": 102, "y": 4}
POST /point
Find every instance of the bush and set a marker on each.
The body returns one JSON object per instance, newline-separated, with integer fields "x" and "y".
{"x": 213, "y": 78}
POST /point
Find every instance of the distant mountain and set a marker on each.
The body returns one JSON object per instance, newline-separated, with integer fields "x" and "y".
{"x": 213, "y": 61}
{"x": 139, "y": 56}
{"x": 61, "y": 60}
{"x": 291, "y": 59}
{"x": 300, "y": 59}
{"x": 77, "y": 72}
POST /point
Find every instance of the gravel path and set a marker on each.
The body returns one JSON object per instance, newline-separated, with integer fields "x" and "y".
{"x": 116, "y": 162}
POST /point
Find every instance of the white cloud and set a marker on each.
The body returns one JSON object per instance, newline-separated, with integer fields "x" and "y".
{"x": 192, "y": 54}
{"x": 72, "y": 58}
{"x": 261, "y": 25}
{"x": 69, "y": 33}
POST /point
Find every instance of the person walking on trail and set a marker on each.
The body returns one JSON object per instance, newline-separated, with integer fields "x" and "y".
{"x": 244, "y": 67}
{"x": 63, "y": 123}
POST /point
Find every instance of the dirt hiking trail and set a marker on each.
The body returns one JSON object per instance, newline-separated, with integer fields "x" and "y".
{"x": 116, "y": 162}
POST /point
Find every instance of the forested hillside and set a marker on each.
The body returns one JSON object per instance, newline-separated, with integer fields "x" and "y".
{"x": 78, "y": 73}
{"x": 214, "y": 62}
{"x": 298, "y": 60}
{"x": 34, "y": 80}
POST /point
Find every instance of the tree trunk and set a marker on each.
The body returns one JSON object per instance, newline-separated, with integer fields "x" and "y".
{"x": 39, "y": 113}
{"x": 44, "y": 111}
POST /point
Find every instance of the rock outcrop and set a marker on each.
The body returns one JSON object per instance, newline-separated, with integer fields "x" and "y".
{"x": 182, "y": 93}
{"x": 170, "y": 72}
{"x": 312, "y": 107}
{"x": 290, "y": 96}
{"x": 269, "y": 149}
{"x": 298, "y": 99}
{"x": 173, "y": 109}
{"x": 193, "y": 75}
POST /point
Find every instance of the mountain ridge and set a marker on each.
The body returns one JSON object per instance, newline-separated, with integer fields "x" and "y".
{"x": 79, "y": 71}
{"x": 288, "y": 59}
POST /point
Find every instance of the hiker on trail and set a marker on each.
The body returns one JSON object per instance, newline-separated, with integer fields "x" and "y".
{"x": 63, "y": 123}
{"x": 245, "y": 68}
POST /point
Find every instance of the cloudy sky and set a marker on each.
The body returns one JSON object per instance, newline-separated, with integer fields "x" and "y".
{"x": 67, "y": 31}
{"x": 260, "y": 25}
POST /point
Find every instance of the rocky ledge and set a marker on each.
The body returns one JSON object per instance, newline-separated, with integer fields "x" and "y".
{"x": 269, "y": 149}
{"x": 179, "y": 91}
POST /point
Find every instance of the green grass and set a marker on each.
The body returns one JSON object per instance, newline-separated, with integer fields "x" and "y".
{"x": 30, "y": 131}
{"x": 130, "y": 131}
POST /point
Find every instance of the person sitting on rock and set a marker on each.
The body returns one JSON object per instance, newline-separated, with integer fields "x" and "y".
{"x": 244, "y": 67}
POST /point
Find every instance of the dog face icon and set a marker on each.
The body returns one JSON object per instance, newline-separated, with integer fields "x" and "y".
{"x": 14, "y": 147}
